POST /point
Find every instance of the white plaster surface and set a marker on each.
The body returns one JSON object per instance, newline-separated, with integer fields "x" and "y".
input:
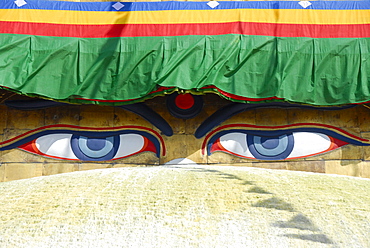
{"x": 185, "y": 206}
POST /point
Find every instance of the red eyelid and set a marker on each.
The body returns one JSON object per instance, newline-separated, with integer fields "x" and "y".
{"x": 283, "y": 127}
{"x": 31, "y": 147}
{"x": 217, "y": 147}
{"x": 335, "y": 143}
{"x": 147, "y": 147}
{"x": 79, "y": 128}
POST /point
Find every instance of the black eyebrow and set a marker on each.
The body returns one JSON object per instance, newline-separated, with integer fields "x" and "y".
{"x": 150, "y": 115}
{"x": 232, "y": 109}
{"x": 138, "y": 108}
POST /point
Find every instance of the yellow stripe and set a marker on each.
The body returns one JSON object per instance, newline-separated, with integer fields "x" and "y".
{"x": 292, "y": 16}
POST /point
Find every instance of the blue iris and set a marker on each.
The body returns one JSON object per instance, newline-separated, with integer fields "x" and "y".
{"x": 96, "y": 148}
{"x": 270, "y": 147}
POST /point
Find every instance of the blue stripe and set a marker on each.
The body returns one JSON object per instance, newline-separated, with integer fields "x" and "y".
{"x": 153, "y": 6}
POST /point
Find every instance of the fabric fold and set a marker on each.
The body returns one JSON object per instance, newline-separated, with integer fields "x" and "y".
{"x": 245, "y": 52}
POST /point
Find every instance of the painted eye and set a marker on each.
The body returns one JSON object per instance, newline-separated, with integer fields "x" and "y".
{"x": 78, "y": 147}
{"x": 92, "y": 145}
{"x": 287, "y": 146}
{"x": 277, "y": 144}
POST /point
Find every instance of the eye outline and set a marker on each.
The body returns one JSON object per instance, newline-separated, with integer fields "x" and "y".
{"x": 330, "y": 131}
{"x": 32, "y": 135}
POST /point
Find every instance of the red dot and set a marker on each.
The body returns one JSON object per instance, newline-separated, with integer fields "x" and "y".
{"x": 184, "y": 101}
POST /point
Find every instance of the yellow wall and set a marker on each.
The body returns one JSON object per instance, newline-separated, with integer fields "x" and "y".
{"x": 16, "y": 164}
{"x": 348, "y": 160}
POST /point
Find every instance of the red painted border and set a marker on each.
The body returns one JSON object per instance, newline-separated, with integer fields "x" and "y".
{"x": 241, "y": 98}
{"x": 297, "y": 125}
{"x": 34, "y": 150}
{"x": 147, "y": 30}
{"x": 72, "y": 127}
{"x": 162, "y": 89}
{"x": 159, "y": 90}
{"x": 335, "y": 144}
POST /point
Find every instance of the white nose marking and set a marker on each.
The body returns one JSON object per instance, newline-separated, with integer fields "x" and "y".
{"x": 181, "y": 161}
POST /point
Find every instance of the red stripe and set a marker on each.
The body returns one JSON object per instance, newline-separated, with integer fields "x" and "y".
{"x": 159, "y": 90}
{"x": 140, "y": 30}
{"x": 162, "y": 89}
{"x": 242, "y": 98}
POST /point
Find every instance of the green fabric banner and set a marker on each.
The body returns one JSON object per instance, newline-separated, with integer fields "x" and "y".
{"x": 315, "y": 71}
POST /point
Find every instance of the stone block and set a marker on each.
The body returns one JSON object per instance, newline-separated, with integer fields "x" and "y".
{"x": 183, "y": 146}
{"x": 96, "y": 116}
{"x": 2, "y": 172}
{"x": 19, "y": 156}
{"x": 57, "y": 168}
{"x": 11, "y": 133}
{"x": 130, "y": 165}
{"x": 305, "y": 116}
{"x": 21, "y": 119}
{"x": 213, "y": 104}
{"x": 194, "y": 149}
{"x": 192, "y": 125}
{"x": 366, "y": 149}
{"x": 225, "y": 158}
{"x": 345, "y": 152}
{"x": 63, "y": 115}
{"x": 345, "y": 118}
{"x": 123, "y": 117}
{"x": 271, "y": 165}
{"x": 343, "y": 167}
{"x": 246, "y": 164}
{"x": 178, "y": 125}
{"x": 331, "y": 155}
{"x": 311, "y": 166}
{"x": 15, "y": 171}
{"x": 363, "y": 115}
{"x": 365, "y": 169}
{"x": 271, "y": 117}
{"x": 3, "y": 118}
{"x": 352, "y": 152}
{"x": 93, "y": 166}
{"x": 246, "y": 117}
{"x": 148, "y": 158}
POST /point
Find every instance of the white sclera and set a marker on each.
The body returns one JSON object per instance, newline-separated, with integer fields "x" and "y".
{"x": 236, "y": 143}
{"x": 57, "y": 145}
{"x": 305, "y": 144}
{"x": 129, "y": 144}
